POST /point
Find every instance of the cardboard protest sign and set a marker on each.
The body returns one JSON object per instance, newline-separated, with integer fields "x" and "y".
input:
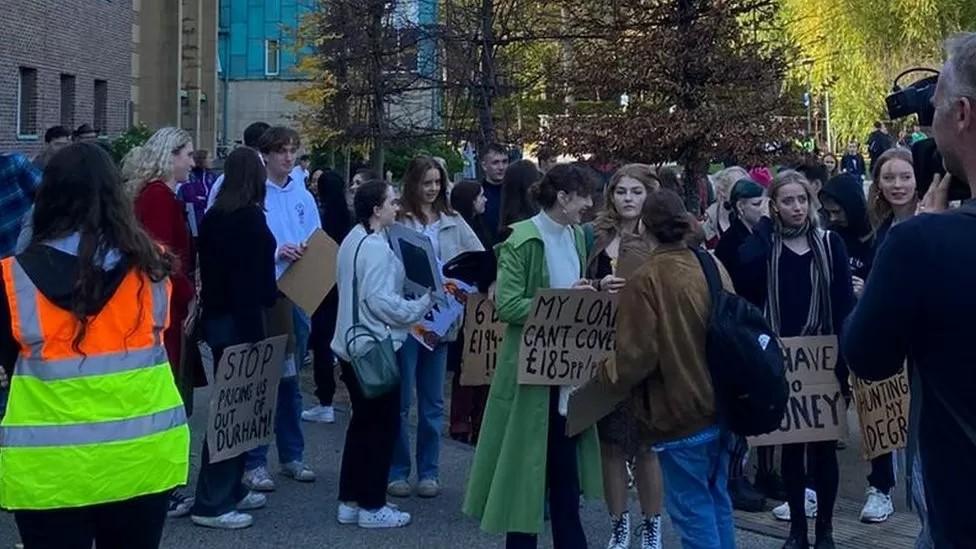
{"x": 483, "y": 334}
{"x": 815, "y": 410}
{"x": 309, "y": 279}
{"x": 414, "y": 250}
{"x": 593, "y": 401}
{"x": 567, "y": 334}
{"x": 439, "y": 320}
{"x": 882, "y": 410}
{"x": 245, "y": 394}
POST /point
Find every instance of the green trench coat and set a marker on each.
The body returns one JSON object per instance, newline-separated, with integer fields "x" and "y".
{"x": 507, "y": 485}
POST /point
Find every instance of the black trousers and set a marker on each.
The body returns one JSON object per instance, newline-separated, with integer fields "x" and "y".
{"x": 368, "y": 451}
{"x": 562, "y": 480}
{"x": 826, "y": 478}
{"x": 132, "y": 524}
{"x": 882, "y": 474}
{"x": 320, "y": 341}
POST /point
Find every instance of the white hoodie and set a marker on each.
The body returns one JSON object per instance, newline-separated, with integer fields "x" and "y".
{"x": 292, "y": 217}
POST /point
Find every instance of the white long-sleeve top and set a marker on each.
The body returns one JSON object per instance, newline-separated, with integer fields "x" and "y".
{"x": 382, "y": 308}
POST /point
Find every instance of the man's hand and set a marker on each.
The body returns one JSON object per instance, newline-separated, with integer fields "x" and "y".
{"x": 291, "y": 252}
{"x": 612, "y": 284}
{"x": 858, "y": 284}
{"x": 936, "y": 200}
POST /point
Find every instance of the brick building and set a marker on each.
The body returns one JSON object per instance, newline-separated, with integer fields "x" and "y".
{"x": 64, "y": 62}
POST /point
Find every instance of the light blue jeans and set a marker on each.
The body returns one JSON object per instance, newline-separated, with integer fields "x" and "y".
{"x": 288, "y": 414}
{"x": 696, "y": 493}
{"x": 422, "y": 371}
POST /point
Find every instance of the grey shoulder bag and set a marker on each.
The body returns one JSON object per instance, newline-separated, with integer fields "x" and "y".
{"x": 376, "y": 369}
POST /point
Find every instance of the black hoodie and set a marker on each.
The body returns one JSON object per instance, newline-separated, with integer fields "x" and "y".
{"x": 847, "y": 191}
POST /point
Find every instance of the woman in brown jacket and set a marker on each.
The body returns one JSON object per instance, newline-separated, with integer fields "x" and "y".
{"x": 660, "y": 358}
{"x": 617, "y": 233}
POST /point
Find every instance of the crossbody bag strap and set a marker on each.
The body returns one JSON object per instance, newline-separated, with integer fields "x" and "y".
{"x": 712, "y": 276}
{"x": 355, "y": 282}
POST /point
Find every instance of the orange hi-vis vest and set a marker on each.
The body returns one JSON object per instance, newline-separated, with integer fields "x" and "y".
{"x": 100, "y": 423}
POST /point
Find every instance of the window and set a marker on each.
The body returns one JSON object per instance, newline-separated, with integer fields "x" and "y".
{"x": 68, "y": 101}
{"x": 271, "y": 57}
{"x": 27, "y": 103}
{"x": 100, "y": 117}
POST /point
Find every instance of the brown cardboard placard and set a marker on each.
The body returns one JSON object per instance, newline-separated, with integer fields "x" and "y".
{"x": 245, "y": 394}
{"x": 567, "y": 334}
{"x": 483, "y": 334}
{"x": 593, "y": 401}
{"x": 882, "y": 411}
{"x": 308, "y": 280}
{"x": 815, "y": 409}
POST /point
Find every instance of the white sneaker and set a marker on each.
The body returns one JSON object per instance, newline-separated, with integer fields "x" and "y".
{"x": 619, "y": 532}
{"x": 810, "y": 506}
{"x": 252, "y": 501}
{"x": 259, "y": 479}
{"x": 649, "y": 532}
{"x": 228, "y": 521}
{"x": 385, "y": 517}
{"x": 878, "y": 507}
{"x": 347, "y": 514}
{"x": 298, "y": 471}
{"x": 319, "y": 414}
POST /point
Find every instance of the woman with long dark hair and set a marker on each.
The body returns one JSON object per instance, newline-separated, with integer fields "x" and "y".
{"x": 516, "y": 200}
{"x": 238, "y": 288}
{"x": 367, "y": 261}
{"x": 95, "y": 434}
{"x": 801, "y": 276}
{"x": 337, "y": 222}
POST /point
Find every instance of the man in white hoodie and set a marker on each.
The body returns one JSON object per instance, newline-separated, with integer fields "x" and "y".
{"x": 292, "y": 216}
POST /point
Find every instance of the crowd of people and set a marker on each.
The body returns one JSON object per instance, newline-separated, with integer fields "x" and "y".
{"x": 111, "y": 273}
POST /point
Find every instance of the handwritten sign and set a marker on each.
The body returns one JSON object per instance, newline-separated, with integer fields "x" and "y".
{"x": 442, "y": 320}
{"x": 567, "y": 334}
{"x": 815, "y": 410}
{"x": 882, "y": 410}
{"x": 245, "y": 394}
{"x": 482, "y": 338}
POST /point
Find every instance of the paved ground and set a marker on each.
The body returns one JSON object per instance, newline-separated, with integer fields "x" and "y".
{"x": 303, "y": 515}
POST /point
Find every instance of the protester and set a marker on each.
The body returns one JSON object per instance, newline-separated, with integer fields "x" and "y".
{"x": 717, "y": 214}
{"x": 618, "y": 231}
{"x": 337, "y": 222}
{"x": 494, "y": 163}
{"x": 844, "y": 203}
{"x": 55, "y": 139}
{"x": 19, "y": 179}
{"x": 85, "y": 132}
{"x": 878, "y": 142}
{"x": 252, "y": 134}
{"x": 467, "y": 402}
{"x": 95, "y": 437}
{"x": 928, "y": 263}
{"x": 525, "y": 425}
{"x": 300, "y": 172}
{"x": 195, "y": 190}
{"x": 366, "y": 261}
{"x": 892, "y": 197}
{"x": 425, "y": 209}
{"x": 151, "y": 173}
{"x": 516, "y": 202}
{"x": 816, "y": 175}
{"x": 292, "y": 217}
{"x": 830, "y": 162}
{"x": 749, "y": 204}
{"x": 852, "y": 162}
{"x": 361, "y": 176}
{"x": 237, "y": 290}
{"x": 660, "y": 355}
{"x": 800, "y": 275}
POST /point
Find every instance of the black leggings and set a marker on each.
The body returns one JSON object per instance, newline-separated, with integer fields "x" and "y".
{"x": 320, "y": 342}
{"x": 826, "y": 477}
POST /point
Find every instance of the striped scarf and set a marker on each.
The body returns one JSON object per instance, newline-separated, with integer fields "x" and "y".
{"x": 819, "y": 316}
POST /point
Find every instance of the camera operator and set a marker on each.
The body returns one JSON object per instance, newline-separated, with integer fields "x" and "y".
{"x": 918, "y": 302}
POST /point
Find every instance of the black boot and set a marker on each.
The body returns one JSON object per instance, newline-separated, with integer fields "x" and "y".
{"x": 825, "y": 537}
{"x": 744, "y": 496}
{"x": 797, "y": 541}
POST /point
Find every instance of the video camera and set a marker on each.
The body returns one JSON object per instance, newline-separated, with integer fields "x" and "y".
{"x": 916, "y": 99}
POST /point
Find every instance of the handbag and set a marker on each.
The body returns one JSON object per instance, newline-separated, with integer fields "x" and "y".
{"x": 376, "y": 370}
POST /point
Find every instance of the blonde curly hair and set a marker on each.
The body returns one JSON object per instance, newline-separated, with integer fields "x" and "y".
{"x": 154, "y": 160}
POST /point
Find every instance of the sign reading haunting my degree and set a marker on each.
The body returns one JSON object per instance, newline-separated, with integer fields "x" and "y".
{"x": 882, "y": 410}
{"x": 815, "y": 409}
{"x": 245, "y": 393}
{"x": 482, "y": 339}
{"x": 567, "y": 334}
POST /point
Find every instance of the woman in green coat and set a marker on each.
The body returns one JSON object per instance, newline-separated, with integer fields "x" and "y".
{"x": 523, "y": 449}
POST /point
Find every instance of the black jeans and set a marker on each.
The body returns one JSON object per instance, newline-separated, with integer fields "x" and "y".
{"x": 826, "y": 477}
{"x": 320, "y": 342}
{"x": 368, "y": 451}
{"x": 882, "y": 474}
{"x": 562, "y": 481}
{"x": 132, "y": 524}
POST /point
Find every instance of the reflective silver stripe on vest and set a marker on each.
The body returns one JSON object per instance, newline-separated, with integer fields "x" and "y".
{"x": 160, "y": 309}
{"x": 92, "y": 365}
{"x": 91, "y": 433}
{"x": 30, "y": 322}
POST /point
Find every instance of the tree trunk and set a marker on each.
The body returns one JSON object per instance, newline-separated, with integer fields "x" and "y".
{"x": 378, "y": 124}
{"x": 485, "y": 92}
{"x": 694, "y": 165}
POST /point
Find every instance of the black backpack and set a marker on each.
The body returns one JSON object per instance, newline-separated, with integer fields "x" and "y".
{"x": 745, "y": 360}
